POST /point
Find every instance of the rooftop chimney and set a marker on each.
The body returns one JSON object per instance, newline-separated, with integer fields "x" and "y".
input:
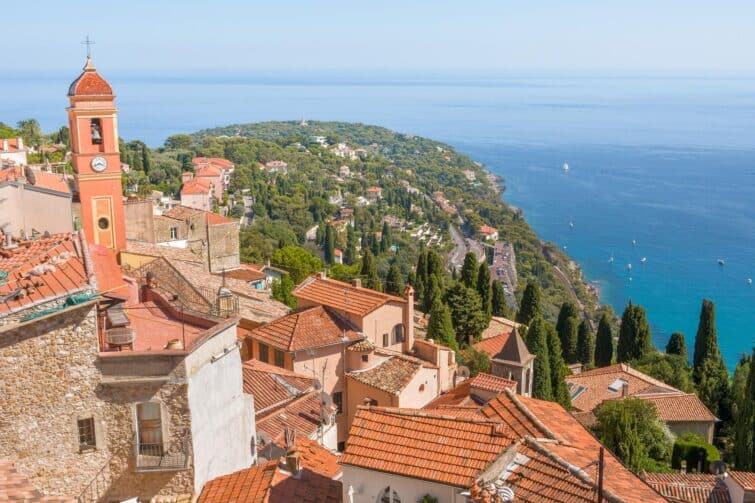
{"x": 5, "y": 144}
{"x": 356, "y": 282}
{"x": 625, "y": 389}
{"x": 20, "y": 143}
{"x": 293, "y": 462}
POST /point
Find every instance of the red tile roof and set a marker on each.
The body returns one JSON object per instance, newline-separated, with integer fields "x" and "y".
{"x": 489, "y": 382}
{"x": 245, "y": 273}
{"x": 108, "y": 273}
{"x": 689, "y": 487}
{"x": 217, "y": 161}
{"x": 271, "y": 385}
{"x": 390, "y": 376}
{"x": 464, "y": 394}
{"x": 15, "y": 487}
{"x": 746, "y": 480}
{"x": 41, "y": 179}
{"x": 12, "y": 145}
{"x": 271, "y": 483}
{"x": 487, "y": 230}
{"x": 43, "y": 269}
{"x": 196, "y": 186}
{"x": 493, "y": 345}
{"x": 424, "y": 445}
{"x": 374, "y": 189}
{"x": 342, "y": 296}
{"x": 679, "y": 407}
{"x": 302, "y": 416}
{"x": 90, "y": 83}
{"x": 208, "y": 170}
{"x": 309, "y": 328}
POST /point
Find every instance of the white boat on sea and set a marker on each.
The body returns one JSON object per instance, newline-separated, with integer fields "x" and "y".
{"x": 721, "y": 261}
{"x": 611, "y": 259}
{"x": 644, "y": 259}
{"x": 749, "y": 281}
{"x": 629, "y": 267}
{"x": 565, "y": 167}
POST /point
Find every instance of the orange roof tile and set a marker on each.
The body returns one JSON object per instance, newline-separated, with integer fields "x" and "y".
{"x": 489, "y": 382}
{"x": 689, "y": 487}
{"x": 90, "y": 83}
{"x": 108, "y": 273}
{"x": 208, "y": 170}
{"x": 215, "y": 219}
{"x": 12, "y": 145}
{"x": 463, "y": 394}
{"x": 217, "y": 161}
{"x": 35, "y": 178}
{"x": 424, "y": 445}
{"x": 309, "y": 328}
{"x": 196, "y": 186}
{"x": 493, "y": 345}
{"x": 43, "y": 269}
{"x": 746, "y": 480}
{"x": 374, "y": 189}
{"x": 301, "y": 416}
{"x": 342, "y": 296}
{"x": 271, "y": 385}
{"x": 15, "y": 487}
{"x": 390, "y": 376}
{"x": 251, "y": 485}
{"x": 245, "y": 273}
{"x": 487, "y": 230}
{"x": 672, "y": 407}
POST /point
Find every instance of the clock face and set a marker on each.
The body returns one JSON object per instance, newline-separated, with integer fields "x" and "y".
{"x": 99, "y": 163}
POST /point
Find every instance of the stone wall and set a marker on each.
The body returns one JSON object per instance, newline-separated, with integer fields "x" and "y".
{"x": 224, "y": 246}
{"x": 50, "y": 377}
{"x": 139, "y": 221}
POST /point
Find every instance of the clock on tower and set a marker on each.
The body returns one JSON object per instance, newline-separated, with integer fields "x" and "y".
{"x": 92, "y": 118}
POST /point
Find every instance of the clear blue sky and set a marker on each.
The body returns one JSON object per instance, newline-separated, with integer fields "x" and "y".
{"x": 656, "y": 35}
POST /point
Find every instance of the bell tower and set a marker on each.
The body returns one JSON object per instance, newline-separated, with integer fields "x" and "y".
{"x": 92, "y": 119}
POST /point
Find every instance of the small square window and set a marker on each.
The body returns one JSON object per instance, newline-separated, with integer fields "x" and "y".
{"x": 373, "y": 402}
{"x": 279, "y": 358}
{"x": 365, "y": 358}
{"x": 338, "y": 401}
{"x": 87, "y": 437}
{"x": 264, "y": 356}
{"x": 385, "y": 340}
{"x": 174, "y": 233}
{"x": 341, "y": 446}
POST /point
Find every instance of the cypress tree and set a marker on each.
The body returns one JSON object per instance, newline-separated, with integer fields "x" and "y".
{"x": 435, "y": 265}
{"x": 586, "y": 344}
{"x": 570, "y": 339}
{"x": 466, "y": 313}
{"x": 385, "y": 238}
{"x": 634, "y": 334}
{"x": 421, "y": 274}
{"x": 604, "y": 343}
{"x": 432, "y": 293}
{"x": 568, "y": 310}
{"x": 369, "y": 272}
{"x": 537, "y": 343}
{"x": 744, "y": 425}
{"x": 677, "y": 345}
{"x": 394, "y": 283}
{"x": 709, "y": 371}
{"x": 706, "y": 340}
{"x": 558, "y": 369}
{"x": 440, "y": 327}
{"x": 484, "y": 288}
{"x": 469, "y": 270}
{"x": 499, "y": 306}
{"x": 530, "y": 305}
{"x": 350, "y": 254}
{"x": 330, "y": 245}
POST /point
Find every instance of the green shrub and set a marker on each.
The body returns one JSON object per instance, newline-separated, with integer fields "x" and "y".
{"x": 693, "y": 448}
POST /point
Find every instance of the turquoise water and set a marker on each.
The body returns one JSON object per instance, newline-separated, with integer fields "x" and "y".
{"x": 667, "y": 161}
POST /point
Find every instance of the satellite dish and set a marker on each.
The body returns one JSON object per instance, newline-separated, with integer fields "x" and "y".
{"x": 463, "y": 372}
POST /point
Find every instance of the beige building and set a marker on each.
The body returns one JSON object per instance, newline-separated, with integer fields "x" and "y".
{"x": 109, "y": 397}
{"x": 509, "y": 356}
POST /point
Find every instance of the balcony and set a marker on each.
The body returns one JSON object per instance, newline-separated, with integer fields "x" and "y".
{"x": 158, "y": 458}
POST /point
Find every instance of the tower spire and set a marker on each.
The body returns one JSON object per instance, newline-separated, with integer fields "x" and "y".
{"x": 89, "y": 43}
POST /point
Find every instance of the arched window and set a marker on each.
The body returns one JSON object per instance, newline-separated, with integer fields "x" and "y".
{"x": 398, "y": 333}
{"x": 388, "y": 496}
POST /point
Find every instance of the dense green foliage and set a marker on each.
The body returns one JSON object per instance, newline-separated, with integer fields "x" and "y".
{"x": 631, "y": 430}
{"x": 695, "y": 452}
{"x": 469, "y": 270}
{"x": 537, "y": 343}
{"x": 558, "y": 368}
{"x": 297, "y": 261}
{"x": 529, "y": 307}
{"x": 484, "y": 288}
{"x": 671, "y": 369}
{"x": 466, "y": 312}
{"x": 709, "y": 370}
{"x": 440, "y": 327}
{"x": 635, "y": 340}
{"x": 743, "y": 391}
{"x": 476, "y": 361}
{"x": 586, "y": 345}
{"x": 567, "y": 327}
{"x": 604, "y": 343}
{"x": 677, "y": 345}
{"x": 281, "y": 290}
{"x": 499, "y": 307}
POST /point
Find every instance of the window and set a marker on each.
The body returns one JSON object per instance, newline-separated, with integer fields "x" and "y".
{"x": 103, "y": 223}
{"x": 398, "y": 333}
{"x": 338, "y": 401}
{"x": 87, "y": 437}
{"x": 365, "y": 358}
{"x": 96, "y": 129}
{"x": 341, "y": 446}
{"x": 174, "y": 233}
{"x": 264, "y": 350}
{"x": 279, "y": 358}
{"x": 149, "y": 428}
{"x": 389, "y": 496}
{"x": 421, "y": 388}
{"x": 385, "y": 340}
{"x": 372, "y": 401}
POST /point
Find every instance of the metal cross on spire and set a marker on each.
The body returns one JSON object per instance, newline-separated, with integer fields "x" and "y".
{"x": 89, "y": 43}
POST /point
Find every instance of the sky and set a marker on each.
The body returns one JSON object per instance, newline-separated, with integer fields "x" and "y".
{"x": 410, "y": 35}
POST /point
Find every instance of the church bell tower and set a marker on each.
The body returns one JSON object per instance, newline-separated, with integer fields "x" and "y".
{"x": 92, "y": 119}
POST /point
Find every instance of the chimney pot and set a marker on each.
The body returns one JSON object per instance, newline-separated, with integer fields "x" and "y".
{"x": 20, "y": 143}
{"x": 356, "y": 282}
{"x": 293, "y": 463}
{"x": 5, "y": 144}
{"x": 625, "y": 389}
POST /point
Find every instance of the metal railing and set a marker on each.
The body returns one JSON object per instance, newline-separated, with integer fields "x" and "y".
{"x": 97, "y": 487}
{"x": 156, "y": 457}
{"x": 120, "y": 336}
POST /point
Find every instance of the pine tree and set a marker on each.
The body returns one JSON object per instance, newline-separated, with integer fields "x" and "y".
{"x": 634, "y": 335}
{"x": 499, "y": 305}
{"x": 484, "y": 288}
{"x": 369, "y": 272}
{"x": 469, "y": 270}
{"x": 530, "y": 305}
{"x": 604, "y": 343}
{"x": 537, "y": 343}
{"x": 440, "y": 327}
{"x": 558, "y": 369}
{"x": 586, "y": 345}
{"x": 394, "y": 283}
{"x": 330, "y": 245}
{"x": 744, "y": 425}
{"x": 677, "y": 345}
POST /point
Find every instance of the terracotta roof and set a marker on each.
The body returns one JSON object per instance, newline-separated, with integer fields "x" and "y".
{"x": 363, "y": 345}
{"x": 424, "y": 445}
{"x": 35, "y": 178}
{"x": 208, "y": 170}
{"x": 196, "y": 186}
{"x": 493, "y": 345}
{"x": 12, "y": 145}
{"x": 217, "y": 161}
{"x": 391, "y": 376}
{"x": 464, "y": 394}
{"x": 486, "y": 229}
{"x": 746, "y": 480}
{"x": 108, "y": 273}
{"x": 679, "y": 407}
{"x": 489, "y": 382}
{"x": 90, "y": 83}
{"x": 309, "y": 328}
{"x": 498, "y": 326}
{"x": 271, "y": 483}
{"x": 596, "y": 384}
{"x": 15, "y": 487}
{"x": 271, "y": 385}
{"x": 342, "y": 296}
{"x": 689, "y": 487}
{"x": 245, "y": 273}
{"x": 43, "y": 269}
{"x": 302, "y": 416}
{"x": 374, "y": 189}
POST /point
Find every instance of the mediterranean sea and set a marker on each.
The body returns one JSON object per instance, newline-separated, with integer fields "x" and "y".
{"x": 666, "y": 162}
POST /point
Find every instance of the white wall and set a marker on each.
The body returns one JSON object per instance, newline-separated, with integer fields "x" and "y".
{"x": 368, "y": 485}
{"x": 222, "y": 416}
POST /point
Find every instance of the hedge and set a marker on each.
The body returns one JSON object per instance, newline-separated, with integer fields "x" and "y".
{"x": 692, "y": 447}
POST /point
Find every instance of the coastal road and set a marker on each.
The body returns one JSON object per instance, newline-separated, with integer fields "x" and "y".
{"x": 460, "y": 248}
